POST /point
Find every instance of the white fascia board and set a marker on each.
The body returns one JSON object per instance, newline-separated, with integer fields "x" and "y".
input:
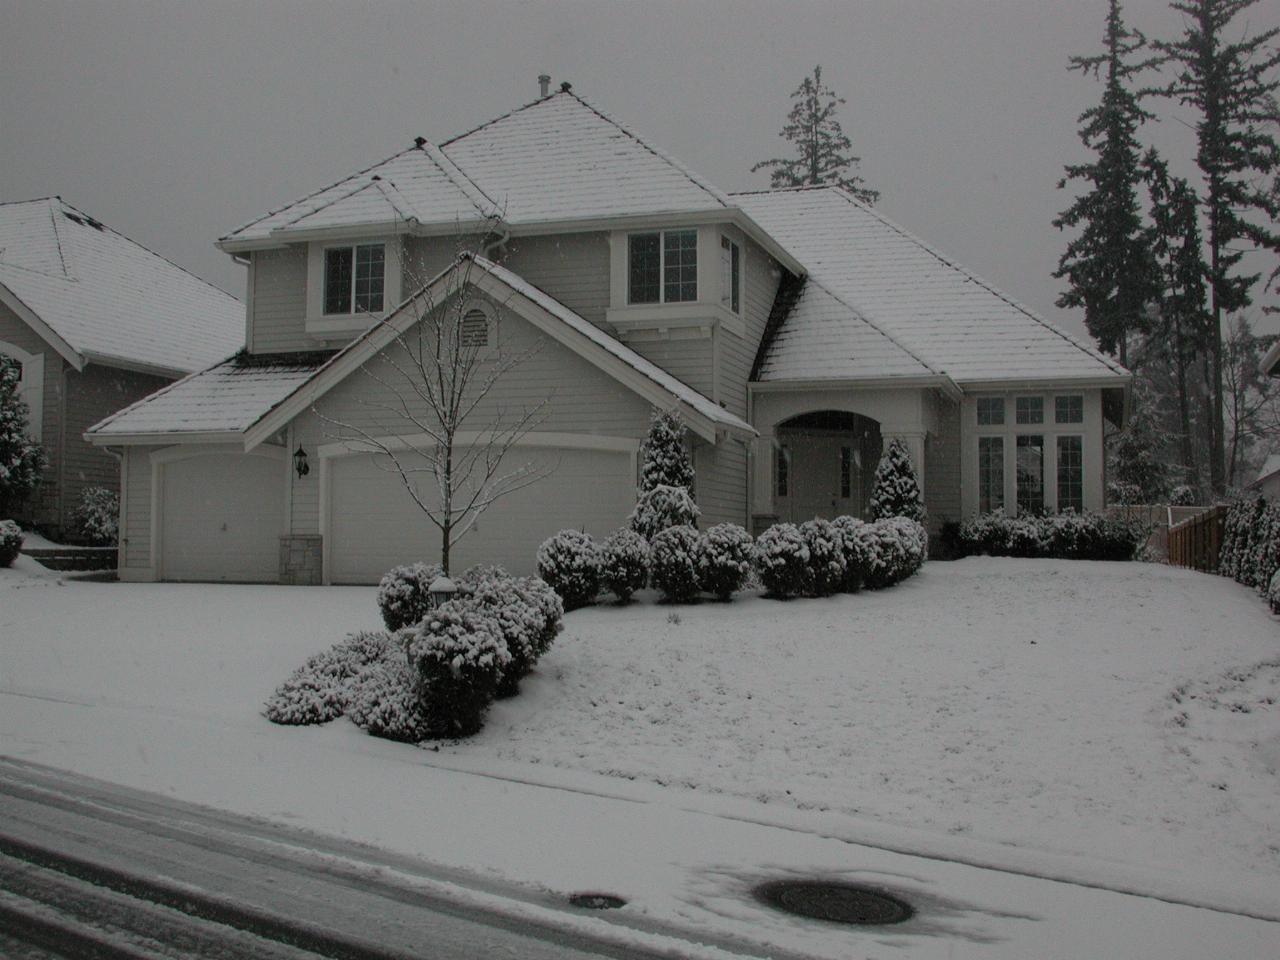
{"x": 1114, "y": 382}
{"x": 136, "y": 366}
{"x": 766, "y": 240}
{"x": 42, "y": 329}
{"x": 1271, "y": 362}
{"x": 943, "y": 383}
{"x": 161, "y": 439}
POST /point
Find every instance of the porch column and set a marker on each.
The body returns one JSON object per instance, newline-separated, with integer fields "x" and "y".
{"x": 762, "y": 475}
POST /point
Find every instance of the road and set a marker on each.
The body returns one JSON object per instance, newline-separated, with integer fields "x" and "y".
{"x": 89, "y": 870}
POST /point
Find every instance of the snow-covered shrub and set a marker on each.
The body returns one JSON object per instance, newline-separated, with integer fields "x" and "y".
{"x": 781, "y": 559}
{"x": 896, "y": 492}
{"x": 97, "y": 518}
{"x": 521, "y": 620}
{"x": 1068, "y": 536}
{"x": 547, "y": 601}
{"x": 663, "y": 507}
{"x": 22, "y": 460}
{"x": 826, "y": 556}
{"x": 673, "y": 566}
{"x": 857, "y": 544}
{"x": 624, "y": 564}
{"x": 663, "y": 458}
{"x": 317, "y": 691}
{"x": 385, "y": 700}
{"x": 10, "y": 542}
{"x": 404, "y": 595}
{"x": 1267, "y": 554}
{"x": 1124, "y": 493}
{"x": 1273, "y": 592}
{"x": 1183, "y": 495}
{"x": 460, "y": 654}
{"x": 570, "y": 563}
{"x": 724, "y": 559}
{"x": 900, "y": 545}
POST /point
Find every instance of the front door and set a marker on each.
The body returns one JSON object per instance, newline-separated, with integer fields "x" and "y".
{"x": 822, "y": 476}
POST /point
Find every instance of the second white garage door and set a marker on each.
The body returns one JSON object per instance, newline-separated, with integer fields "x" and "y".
{"x": 375, "y": 525}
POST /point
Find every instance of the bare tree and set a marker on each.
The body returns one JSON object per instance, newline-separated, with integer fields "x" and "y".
{"x": 1253, "y": 401}
{"x": 435, "y": 416}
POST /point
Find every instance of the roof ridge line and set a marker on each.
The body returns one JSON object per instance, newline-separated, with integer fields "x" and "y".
{"x": 311, "y": 211}
{"x": 861, "y": 315}
{"x": 14, "y": 203}
{"x": 314, "y": 193}
{"x": 489, "y": 123}
{"x": 459, "y": 178}
{"x": 57, "y": 238}
{"x": 974, "y": 278}
{"x": 794, "y": 188}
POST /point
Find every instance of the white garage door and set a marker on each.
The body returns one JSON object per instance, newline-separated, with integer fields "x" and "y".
{"x": 221, "y": 518}
{"x": 374, "y": 524}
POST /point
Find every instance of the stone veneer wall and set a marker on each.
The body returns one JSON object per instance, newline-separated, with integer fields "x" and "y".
{"x": 301, "y": 560}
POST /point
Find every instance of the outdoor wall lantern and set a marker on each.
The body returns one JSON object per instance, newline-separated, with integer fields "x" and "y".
{"x": 442, "y": 589}
{"x": 300, "y": 462}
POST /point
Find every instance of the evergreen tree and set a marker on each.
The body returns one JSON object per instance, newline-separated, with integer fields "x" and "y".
{"x": 664, "y": 460}
{"x": 1108, "y": 267}
{"x": 1180, "y": 331}
{"x": 21, "y": 459}
{"x": 1231, "y": 85}
{"x": 1136, "y": 464}
{"x": 821, "y": 145}
{"x": 896, "y": 493}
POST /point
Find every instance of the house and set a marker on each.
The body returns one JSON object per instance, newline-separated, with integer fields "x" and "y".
{"x": 95, "y": 322}
{"x": 1271, "y": 362}
{"x": 1267, "y": 482}
{"x": 794, "y": 331}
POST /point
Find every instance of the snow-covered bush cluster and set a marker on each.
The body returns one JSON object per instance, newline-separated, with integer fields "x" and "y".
{"x": 404, "y": 595}
{"x": 781, "y": 558}
{"x": 570, "y": 563}
{"x": 723, "y": 559}
{"x": 10, "y": 542}
{"x": 827, "y": 564}
{"x": 624, "y": 564}
{"x": 1067, "y": 536}
{"x": 819, "y": 558}
{"x": 898, "y": 548}
{"x": 1250, "y": 552}
{"x": 436, "y": 678}
{"x": 858, "y": 544}
{"x": 1183, "y": 495}
{"x": 97, "y": 518}
{"x": 661, "y": 508}
{"x": 673, "y": 563}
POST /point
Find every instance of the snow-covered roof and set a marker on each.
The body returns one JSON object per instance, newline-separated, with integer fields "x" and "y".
{"x": 1271, "y": 362}
{"x": 418, "y": 185}
{"x": 226, "y": 399}
{"x": 1269, "y": 468}
{"x": 107, "y": 298}
{"x": 884, "y": 279}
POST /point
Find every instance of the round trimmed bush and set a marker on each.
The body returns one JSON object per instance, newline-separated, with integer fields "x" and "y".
{"x": 97, "y": 518}
{"x": 858, "y": 547}
{"x": 385, "y": 700}
{"x": 570, "y": 563}
{"x": 459, "y": 654}
{"x": 624, "y": 564}
{"x": 404, "y": 594}
{"x": 723, "y": 559}
{"x": 10, "y": 542}
{"x": 673, "y": 563}
{"x": 781, "y": 558}
{"x": 548, "y": 603}
{"x": 522, "y": 623}
{"x": 663, "y": 507}
{"x": 317, "y": 691}
{"x": 826, "y": 556}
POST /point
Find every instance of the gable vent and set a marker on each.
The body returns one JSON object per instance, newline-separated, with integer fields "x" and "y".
{"x": 475, "y": 329}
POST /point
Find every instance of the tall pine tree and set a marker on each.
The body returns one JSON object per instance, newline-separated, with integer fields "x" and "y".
{"x": 1232, "y": 87}
{"x": 663, "y": 458}
{"x": 21, "y": 459}
{"x": 896, "y": 492}
{"x": 822, "y": 149}
{"x": 1108, "y": 266}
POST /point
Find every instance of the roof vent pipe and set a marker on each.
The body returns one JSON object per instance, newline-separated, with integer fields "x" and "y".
{"x": 544, "y": 84}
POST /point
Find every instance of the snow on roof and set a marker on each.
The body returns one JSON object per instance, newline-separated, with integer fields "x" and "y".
{"x": 1269, "y": 468}
{"x": 228, "y": 398}
{"x": 560, "y": 158}
{"x": 677, "y": 388}
{"x": 109, "y": 297}
{"x": 419, "y": 184}
{"x": 935, "y": 310}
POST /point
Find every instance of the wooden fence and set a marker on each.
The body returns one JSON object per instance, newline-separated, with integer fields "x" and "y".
{"x": 1195, "y": 542}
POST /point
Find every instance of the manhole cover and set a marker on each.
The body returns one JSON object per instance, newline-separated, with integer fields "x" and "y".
{"x": 597, "y": 901}
{"x": 837, "y": 902}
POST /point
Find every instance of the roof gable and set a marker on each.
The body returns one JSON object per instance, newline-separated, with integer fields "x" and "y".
{"x": 105, "y": 298}
{"x": 939, "y": 313}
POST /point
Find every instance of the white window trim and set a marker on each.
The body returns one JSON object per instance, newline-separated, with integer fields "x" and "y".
{"x": 1084, "y": 456}
{"x": 1049, "y": 429}
{"x": 30, "y": 387}
{"x": 330, "y": 325}
{"x": 726, "y": 269}
{"x": 662, "y": 266}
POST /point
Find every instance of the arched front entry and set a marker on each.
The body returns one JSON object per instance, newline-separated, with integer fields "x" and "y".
{"x": 824, "y": 465}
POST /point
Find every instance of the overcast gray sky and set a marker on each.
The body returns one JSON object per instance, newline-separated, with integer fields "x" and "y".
{"x": 176, "y": 122}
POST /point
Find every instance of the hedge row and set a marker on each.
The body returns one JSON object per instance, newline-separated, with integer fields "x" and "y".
{"x": 1250, "y": 551}
{"x": 1067, "y": 536}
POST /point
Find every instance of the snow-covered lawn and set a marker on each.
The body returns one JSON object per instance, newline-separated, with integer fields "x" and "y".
{"x": 1122, "y": 712}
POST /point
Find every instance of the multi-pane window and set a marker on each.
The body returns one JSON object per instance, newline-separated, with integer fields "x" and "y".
{"x": 1070, "y": 473}
{"x": 782, "y": 472}
{"x": 846, "y": 472}
{"x": 354, "y": 277}
{"x": 730, "y": 275}
{"x": 1029, "y": 466}
{"x": 474, "y": 331}
{"x": 1030, "y": 409}
{"x": 679, "y": 266}
{"x": 990, "y": 474}
{"x": 1068, "y": 409}
{"x": 990, "y": 411}
{"x": 645, "y": 268}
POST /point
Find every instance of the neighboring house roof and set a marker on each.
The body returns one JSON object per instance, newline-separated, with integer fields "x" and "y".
{"x": 869, "y": 276}
{"x": 1269, "y": 469}
{"x": 252, "y": 399}
{"x": 215, "y": 404}
{"x": 96, "y": 295}
{"x": 1271, "y": 362}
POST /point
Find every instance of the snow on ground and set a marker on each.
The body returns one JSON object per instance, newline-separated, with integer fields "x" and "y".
{"x": 1113, "y": 723}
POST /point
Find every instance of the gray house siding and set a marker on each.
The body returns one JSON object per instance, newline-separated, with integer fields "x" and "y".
{"x": 942, "y": 461}
{"x": 278, "y": 299}
{"x": 572, "y": 267}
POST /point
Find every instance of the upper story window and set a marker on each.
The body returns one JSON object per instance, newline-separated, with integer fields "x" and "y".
{"x": 662, "y": 267}
{"x": 1068, "y": 409}
{"x": 730, "y": 275}
{"x": 354, "y": 278}
{"x": 1030, "y": 409}
{"x": 990, "y": 411}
